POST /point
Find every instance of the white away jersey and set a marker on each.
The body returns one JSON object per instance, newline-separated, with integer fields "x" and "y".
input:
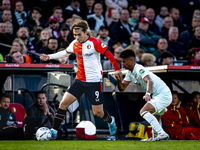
{"x": 88, "y": 59}
{"x": 139, "y": 73}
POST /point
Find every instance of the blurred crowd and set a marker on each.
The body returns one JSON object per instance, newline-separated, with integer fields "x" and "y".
{"x": 158, "y": 36}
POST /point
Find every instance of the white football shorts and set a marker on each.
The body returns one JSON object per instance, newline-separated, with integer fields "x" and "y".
{"x": 161, "y": 101}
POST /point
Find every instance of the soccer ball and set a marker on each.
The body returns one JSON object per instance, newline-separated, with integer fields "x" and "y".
{"x": 43, "y": 134}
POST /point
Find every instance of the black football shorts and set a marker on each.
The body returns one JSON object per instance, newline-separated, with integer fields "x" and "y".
{"x": 92, "y": 90}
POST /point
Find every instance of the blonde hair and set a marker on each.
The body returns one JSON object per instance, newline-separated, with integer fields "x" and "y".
{"x": 45, "y": 29}
{"x": 132, "y": 47}
{"x": 75, "y": 16}
{"x": 92, "y": 33}
{"x": 9, "y": 23}
{"x": 21, "y": 43}
{"x": 147, "y": 57}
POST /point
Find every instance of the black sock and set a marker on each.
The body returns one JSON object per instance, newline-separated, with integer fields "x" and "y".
{"x": 107, "y": 117}
{"x": 58, "y": 118}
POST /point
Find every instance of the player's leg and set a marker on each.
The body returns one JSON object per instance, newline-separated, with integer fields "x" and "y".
{"x": 67, "y": 100}
{"x": 147, "y": 113}
{"x": 93, "y": 92}
{"x": 74, "y": 92}
{"x": 99, "y": 112}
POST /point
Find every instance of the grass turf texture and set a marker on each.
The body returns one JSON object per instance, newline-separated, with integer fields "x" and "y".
{"x": 99, "y": 145}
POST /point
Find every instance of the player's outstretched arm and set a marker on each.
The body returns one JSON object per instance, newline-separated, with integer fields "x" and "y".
{"x": 44, "y": 57}
{"x": 57, "y": 55}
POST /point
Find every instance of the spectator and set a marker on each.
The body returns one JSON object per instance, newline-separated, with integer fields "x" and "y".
{"x": 87, "y": 9}
{"x": 188, "y": 34}
{"x": 34, "y": 19}
{"x": 196, "y": 12}
{"x": 195, "y": 41}
{"x": 177, "y": 122}
{"x": 49, "y": 31}
{"x": 9, "y": 129}
{"x": 63, "y": 40}
{"x": 23, "y": 34}
{"x": 174, "y": 13}
{"x": 18, "y": 15}
{"x": 148, "y": 39}
{"x": 162, "y": 46}
{"x": 116, "y": 4}
{"x": 161, "y": 16}
{"x": 58, "y": 13}
{"x": 4, "y": 39}
{"x": 96, "y": 20}
{"x": 16, "y": 57}
{"x": 150, "y": 15}
{"x": 167, "y": 58}
{"x": 134, "y": 18}
{"x": 168, "y": 23}
{"x": 175, "y": 47}
{"x": 43, "y": 38}
{"x": 135, "y": 40}
{"x": 138, "y": 53}
{"x": 117, "y": 43}
{"x": 193, "y": 56}
{"x": 104, "y": 38}
{"x": 18, "y": 45}
{"x": 148, "y": 60}
{"x": 51, "y": 48}
{"x": 5, "y": 5}
{"x": 69, "y": 22}
{"x": 115, "y": 18}
{"x": 53, "y": 24}
{"x": 40, "y": 109}
{"x": 122, "y": 29}
{"x": 93, "y": 33}
{"x": 142, "y": 10}
{"x": 9, "y": 31}
{"x": 6, "y": 15}
{"x": 73, "y": 8}
{"x": 107, "y": 64}
{"x": 192, "y": 108}
{"x": 35, "y": 34}
{"x": 188, "y": 8}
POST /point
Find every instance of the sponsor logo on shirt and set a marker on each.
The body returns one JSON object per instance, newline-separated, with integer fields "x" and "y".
{"x": 141, "y": 71}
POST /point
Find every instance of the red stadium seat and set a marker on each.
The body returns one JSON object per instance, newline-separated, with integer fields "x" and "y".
{"x": 19, "y": 112}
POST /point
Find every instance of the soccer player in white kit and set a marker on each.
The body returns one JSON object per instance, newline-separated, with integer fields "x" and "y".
{"x": 153, "y": 85}
{"x": 89, "y": 75}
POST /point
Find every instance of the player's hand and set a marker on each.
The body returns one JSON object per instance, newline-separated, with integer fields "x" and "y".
{"x": 147, "y": 97}
{"x": 44, "y": 57}
{"x": 118, "y": 75}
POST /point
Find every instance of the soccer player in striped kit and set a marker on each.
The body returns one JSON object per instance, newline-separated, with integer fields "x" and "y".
{"x": 89, "y": 75}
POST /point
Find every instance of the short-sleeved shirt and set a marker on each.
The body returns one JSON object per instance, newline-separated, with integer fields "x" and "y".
{"x": 139, "y": 73}
{"x": 88, "y": 59}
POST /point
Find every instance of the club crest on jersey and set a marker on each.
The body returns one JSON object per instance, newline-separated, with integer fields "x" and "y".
{"x": 89, "y": 46}
{"x": 103, "y": 45}
{"x": 141, "y": 71}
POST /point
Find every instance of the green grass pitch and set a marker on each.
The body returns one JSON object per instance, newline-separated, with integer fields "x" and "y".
{"x": 99, "y": 145}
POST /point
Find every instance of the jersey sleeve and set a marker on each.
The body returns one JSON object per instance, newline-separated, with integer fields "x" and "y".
{"x": 100, "y": 47}
{"x": 70, "y": 47}
{"x": 142, "y": 72}
{"x": 127, "y": 77}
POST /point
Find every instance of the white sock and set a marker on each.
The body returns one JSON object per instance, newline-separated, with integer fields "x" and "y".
{"x": 152, "y": 121}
